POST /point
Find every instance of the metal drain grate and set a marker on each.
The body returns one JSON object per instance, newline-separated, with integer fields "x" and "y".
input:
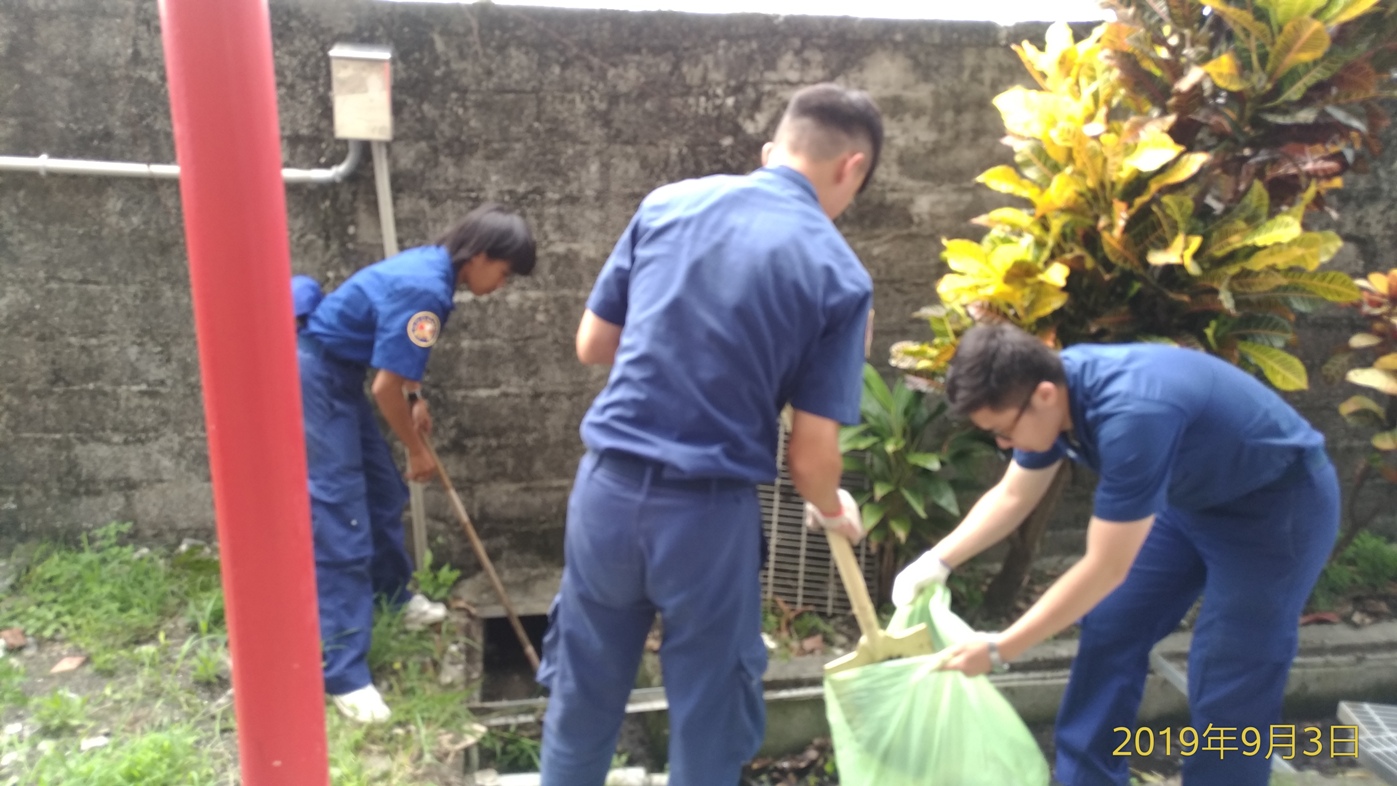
{"x": 1377, "y": 736}
{"x": 799, "y": 569}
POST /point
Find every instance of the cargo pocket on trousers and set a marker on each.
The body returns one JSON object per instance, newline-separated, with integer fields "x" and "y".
{"x": 341, "y": 531}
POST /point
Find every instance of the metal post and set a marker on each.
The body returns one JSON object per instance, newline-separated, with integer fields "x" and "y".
{"x": 417, "y": 532}
{"x": 218, "y": 60}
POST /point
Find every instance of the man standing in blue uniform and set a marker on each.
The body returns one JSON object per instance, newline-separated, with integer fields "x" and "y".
{"x": 726, "y": 298}
{"x": 1209, "y": 483}
{"x": 387, "y": 316}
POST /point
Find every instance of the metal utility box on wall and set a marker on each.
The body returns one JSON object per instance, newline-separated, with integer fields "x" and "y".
{"x": 361, "y": 82}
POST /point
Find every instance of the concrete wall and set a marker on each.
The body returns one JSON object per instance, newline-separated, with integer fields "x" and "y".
{"x": 571, "y": 116}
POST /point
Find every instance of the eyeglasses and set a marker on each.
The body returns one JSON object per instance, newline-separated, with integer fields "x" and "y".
{"x": 1006, "y": 435}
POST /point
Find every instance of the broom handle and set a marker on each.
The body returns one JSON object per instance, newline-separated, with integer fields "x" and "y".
{"x": 852, "y": 576}
{"x": 480, "y": 555}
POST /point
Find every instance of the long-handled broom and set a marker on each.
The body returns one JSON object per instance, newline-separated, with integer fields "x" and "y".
{"x": 480, "y": 554}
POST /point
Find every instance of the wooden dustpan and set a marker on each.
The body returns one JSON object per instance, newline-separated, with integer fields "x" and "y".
{"x": 875, "y": 645}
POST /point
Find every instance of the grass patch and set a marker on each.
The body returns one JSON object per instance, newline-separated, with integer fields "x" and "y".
{"x": 106, "y": 596}
{"x": 152, "y": 624}
{"x": 1368, "y": 565}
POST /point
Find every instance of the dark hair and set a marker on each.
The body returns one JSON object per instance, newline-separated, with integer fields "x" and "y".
{"x": 996, "y": 366}
{"x": 494, "y": 231}
{"x": 822, "y": 120}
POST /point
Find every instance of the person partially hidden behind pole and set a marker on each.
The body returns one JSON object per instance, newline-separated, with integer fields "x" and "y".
{"x": 726, "y": 298}
{"x": 1209, "y": 483}
{"x": 386, "y": 316}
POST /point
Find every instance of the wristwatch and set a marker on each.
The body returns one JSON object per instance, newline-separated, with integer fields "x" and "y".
{"x": 997, "y": 664}
{"x": 414, "y": 396}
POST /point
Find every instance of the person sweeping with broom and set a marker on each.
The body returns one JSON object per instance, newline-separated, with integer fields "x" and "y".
{"x": 1209, "y": 483}
{"x": 387, "y": 316}
{"x": 725, "y": 299}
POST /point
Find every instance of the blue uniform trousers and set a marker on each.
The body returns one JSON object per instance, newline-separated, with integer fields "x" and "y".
{"x": 1255, "y": 561}
{"x": 357, "y": 497}
{"x": 638, "y": 544}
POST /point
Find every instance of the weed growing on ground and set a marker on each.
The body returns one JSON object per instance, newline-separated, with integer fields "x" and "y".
{"x": 435, "y": 583}
{"x": 158, "y": 713}
{"x": 1368, "y": 565}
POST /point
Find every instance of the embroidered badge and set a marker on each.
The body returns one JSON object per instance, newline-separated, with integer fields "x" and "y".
{"x": 423, "y": 328}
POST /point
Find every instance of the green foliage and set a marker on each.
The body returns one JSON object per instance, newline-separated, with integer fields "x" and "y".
{"x": 511, "y": 751}
{"x": 12, "y": 684}
{"x": 168, "y": 758}
{"x": 1168, "y": 161}
{"x": 1369, "y": 564}
{"x": 912, "y": 483}
{"x": 105, "y": 596}
{"x": 1370, "y": 361}
{"x": 435, "y": 583}
{"x": 59, "y": 712}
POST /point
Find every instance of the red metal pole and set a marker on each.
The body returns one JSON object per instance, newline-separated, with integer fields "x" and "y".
{"x": 218, "y": 60}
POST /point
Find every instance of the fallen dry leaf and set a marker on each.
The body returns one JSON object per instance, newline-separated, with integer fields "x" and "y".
{"x": 813, "y": 645}
{"x": 70, "y": 663}
{"x": 13, "y": 637}
{"x": 1326, "y": 617}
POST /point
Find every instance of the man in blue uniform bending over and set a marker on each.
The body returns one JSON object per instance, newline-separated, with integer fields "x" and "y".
{"x": 1209, "y": 483}
{"x": 726, "y": 298}
{"x": 388, "y": 317}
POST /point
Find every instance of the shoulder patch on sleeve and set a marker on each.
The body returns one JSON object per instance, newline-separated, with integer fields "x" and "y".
{"x": 423, "y": 328}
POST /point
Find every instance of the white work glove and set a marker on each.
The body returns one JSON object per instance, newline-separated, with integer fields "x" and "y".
{"x": 919, "y": 574}
{"x": 848, "y": 522}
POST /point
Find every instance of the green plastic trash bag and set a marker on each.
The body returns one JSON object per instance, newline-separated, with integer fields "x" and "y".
{"x": 901, "y": 723}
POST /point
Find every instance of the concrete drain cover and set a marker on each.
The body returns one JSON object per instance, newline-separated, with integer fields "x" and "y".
{"x": 1377, "y": 736}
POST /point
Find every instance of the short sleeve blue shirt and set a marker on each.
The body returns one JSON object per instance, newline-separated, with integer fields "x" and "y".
{"x": 1170, "y": 427}
{"x": 390, "y": 314}
{"x": 737, "y": 295}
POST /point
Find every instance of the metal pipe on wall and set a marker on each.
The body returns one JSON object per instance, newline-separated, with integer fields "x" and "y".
{"x": 417, "y": 506}
{"x": 44, "y": 165}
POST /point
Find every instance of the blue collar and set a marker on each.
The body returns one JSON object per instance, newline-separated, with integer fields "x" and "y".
{"x": 794, "y": 178}
{"x": 443, "y": 259}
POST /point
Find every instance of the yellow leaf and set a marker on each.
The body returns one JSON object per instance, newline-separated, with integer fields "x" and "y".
{"x": 1328, "y": 284}
{"x": 1003, "y": 257}
{"x": 1375, "y": 378}
{"x": 1303, "y": 40}
{"x": 1226, "y": 74}
{"x": 965, "y": 256}
{"x": 1385, "y": 441}
{"x": 1379, "y": 282}
{"x": 1240, "y": 20}
{"x": 1154, "y": 150}
{"x": 1179, "y": 252}
{"x": 1283, "y": 11}
{"x": 1034, "y": 113}
{"x": 1387, "y": 362}
{"x": 1044, "y": 303}
{"x": 1005, "y": 217}
{"x": 1186, "y": 167}
{"x": 1308, "y": 251}
{"x": 1363, "y": 340}
{"x": 1281, "y": 229}
{"x": 1007, "y": 180}
{"x": 1281, "y": 368}
{"x": 1339, "y": 12}
{"x": 1056, "y": 274}
{"x": 1064, "y": 193}
{"x": 1361, "y": 404}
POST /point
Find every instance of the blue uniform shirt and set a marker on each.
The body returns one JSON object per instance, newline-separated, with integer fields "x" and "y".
{"x": 736, "y": 295}
{"x": 389, "y": 314}
{"x": 1165, "y": 426}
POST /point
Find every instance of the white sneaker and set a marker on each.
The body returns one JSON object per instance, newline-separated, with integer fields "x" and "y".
{"x": 363, "y": 706}
{"x": 419, "y": 612}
